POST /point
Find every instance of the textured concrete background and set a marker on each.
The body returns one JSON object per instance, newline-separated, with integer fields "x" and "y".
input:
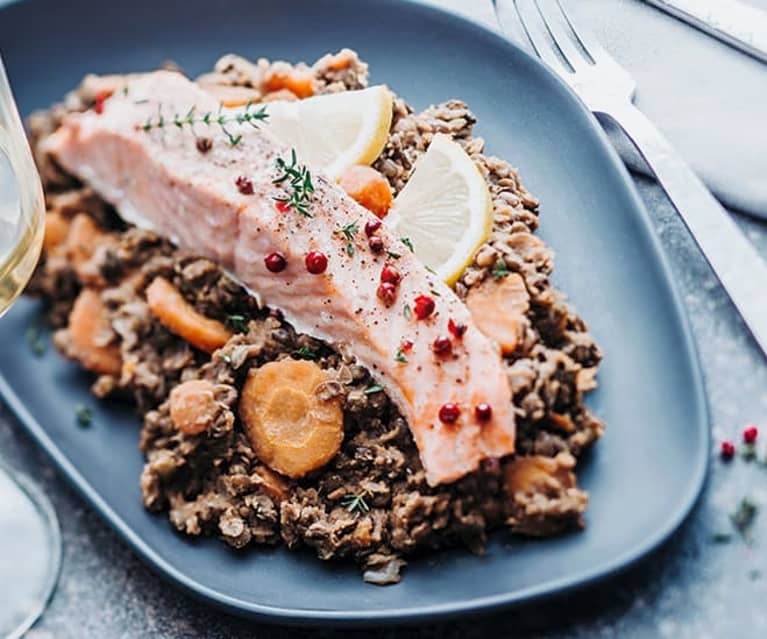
{"x": 692, "y": 588}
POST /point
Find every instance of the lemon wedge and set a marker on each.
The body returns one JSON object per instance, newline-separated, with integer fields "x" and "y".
{"x": 445, "y": 209}
{"x": 335, "y": 131}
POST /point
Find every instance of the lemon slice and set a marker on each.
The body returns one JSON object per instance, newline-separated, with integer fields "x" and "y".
{"x": 335, "y": 131}
{"x": 445, "y": 209}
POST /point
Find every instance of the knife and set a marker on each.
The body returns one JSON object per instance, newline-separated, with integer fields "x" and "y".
{"x": 732, "y": 21}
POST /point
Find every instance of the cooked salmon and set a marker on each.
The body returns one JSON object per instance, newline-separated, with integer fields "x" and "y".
{"x": 220, "y": 199}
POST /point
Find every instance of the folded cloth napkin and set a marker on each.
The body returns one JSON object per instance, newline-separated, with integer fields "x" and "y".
{"x": 709, "y": 99}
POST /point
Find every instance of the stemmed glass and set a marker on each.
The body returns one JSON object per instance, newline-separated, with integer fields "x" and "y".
{"x": 30, "y": 541}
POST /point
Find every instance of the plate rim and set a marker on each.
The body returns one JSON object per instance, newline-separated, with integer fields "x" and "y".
{"x": 486, "y": 604}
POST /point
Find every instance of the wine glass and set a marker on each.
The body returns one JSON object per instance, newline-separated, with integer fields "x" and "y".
{"x": 30, "y": 540}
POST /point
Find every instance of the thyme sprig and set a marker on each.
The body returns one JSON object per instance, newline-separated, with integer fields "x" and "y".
{"x": 248, "y": 115}
{"x": 356, "y": 502}
{"x": 299, "y": 179}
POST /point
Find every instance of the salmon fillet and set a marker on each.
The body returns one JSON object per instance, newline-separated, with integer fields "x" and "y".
{"x": 164, "y": 180}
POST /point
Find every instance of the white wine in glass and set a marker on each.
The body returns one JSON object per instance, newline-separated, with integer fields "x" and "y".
{"x": 30, "y": 541}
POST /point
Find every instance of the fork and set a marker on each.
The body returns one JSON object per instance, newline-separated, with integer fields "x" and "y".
{"x": 608, "y": 90}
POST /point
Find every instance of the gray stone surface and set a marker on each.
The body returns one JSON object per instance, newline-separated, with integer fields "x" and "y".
{"x": 692, "y": 588}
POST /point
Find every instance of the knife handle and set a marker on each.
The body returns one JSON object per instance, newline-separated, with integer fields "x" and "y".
{"x": 731, "y": 255}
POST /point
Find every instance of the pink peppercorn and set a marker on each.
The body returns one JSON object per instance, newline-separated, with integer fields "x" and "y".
{"x": 727, "y": 450}
{"x": 750, "y": 433}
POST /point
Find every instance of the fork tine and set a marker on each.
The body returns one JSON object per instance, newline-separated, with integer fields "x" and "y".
{"x": 540, "y": 43}
{"x": 588, "y": 42}
{"x": 573, "y": 55}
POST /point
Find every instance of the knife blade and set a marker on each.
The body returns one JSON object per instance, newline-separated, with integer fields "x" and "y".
{"x": 736, "y": 23}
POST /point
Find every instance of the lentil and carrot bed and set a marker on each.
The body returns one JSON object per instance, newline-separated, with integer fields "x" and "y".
{"x": 174, "y": 333}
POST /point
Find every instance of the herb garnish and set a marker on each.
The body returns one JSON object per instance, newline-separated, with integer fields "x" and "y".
{"x": 407, "y": 312}
{"x": 435, "y": 293}
{"x": 721, "y": 537}
{"x": 35, "y": 340}
{"x": 245, "y": 116}
{"x": 305, "y": 353}
{"x": 393, "y": 255}
{"x": 500, "y": 270}
{"x": 400, "y": 357}
{"x": 406, "y": 241}
{"x": 356, "y": 503}
{"x": 748, "y": 452}
{"x": 300, "y": 181}
{"x": 349, "y": 231}
{"x": 84, "y": 415}
{"x": 238, "y": 323}
{"x": 743, "y": 518}
{"x": 375, "y": 388}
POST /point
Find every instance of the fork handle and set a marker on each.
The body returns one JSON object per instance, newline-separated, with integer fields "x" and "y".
{"x": 732, "y": 257}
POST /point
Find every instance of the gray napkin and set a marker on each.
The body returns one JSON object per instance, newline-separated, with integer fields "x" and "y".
{"x": 709, "y": 99}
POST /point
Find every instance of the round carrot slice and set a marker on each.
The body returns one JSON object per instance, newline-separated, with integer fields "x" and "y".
{"x": 193, "y": 406}
{"x": 292, "y": 431}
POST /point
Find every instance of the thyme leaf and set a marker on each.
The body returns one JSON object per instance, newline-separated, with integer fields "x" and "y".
{"x": 500, "y": 270}
{"x": 743, "y": 518}
{"x": 35, "y": 340}
{"x": 400, "y": 357}
{"x": 305, "y": 353}
{"x": 83, "y": 415}
{"x": 238, "y": 323}
{"x": 375, "y": 388}
{"x": 349, "y": 230}
{"x": 407, "y": 312}
{"x": 407, "y": 242}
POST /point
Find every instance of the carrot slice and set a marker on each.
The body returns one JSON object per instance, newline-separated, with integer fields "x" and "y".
{"x": 193, "y": 406}
{"x": 56, "y": 231}
{"x": 299, "y": 82}
{"x": 291, "y": 429}
{"x": 536, "y": 474}
{"x": 91, "y": 333}
{"x": 368, "y": 187}
{"x": 82, "y": 239}
{"x": 339, "y": 61}
{"x": 498, "y": 307}
{"x": 180, "y": 317}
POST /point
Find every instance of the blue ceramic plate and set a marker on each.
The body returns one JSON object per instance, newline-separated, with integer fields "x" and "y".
{"x": 643, "y": 477}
